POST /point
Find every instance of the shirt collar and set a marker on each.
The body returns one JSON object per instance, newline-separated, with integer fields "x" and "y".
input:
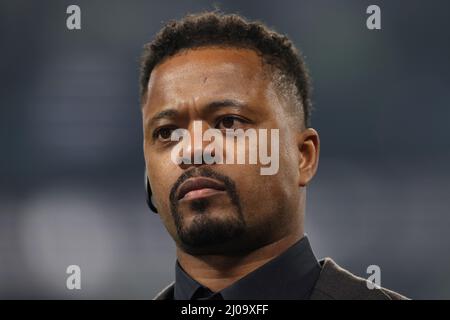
{"x": 291, "y": 275}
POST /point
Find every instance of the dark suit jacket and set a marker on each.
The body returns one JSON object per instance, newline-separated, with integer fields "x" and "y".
{"x": 334, "y": 283}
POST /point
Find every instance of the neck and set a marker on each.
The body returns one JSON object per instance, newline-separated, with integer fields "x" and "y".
{"x": 217, "y": 272}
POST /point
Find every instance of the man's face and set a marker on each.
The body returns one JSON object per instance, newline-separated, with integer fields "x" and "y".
{"x": 231, "y": 207}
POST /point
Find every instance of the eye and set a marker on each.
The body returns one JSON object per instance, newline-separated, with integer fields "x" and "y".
{"x": 163, "y": 134}
{"x": 230, "y": 122}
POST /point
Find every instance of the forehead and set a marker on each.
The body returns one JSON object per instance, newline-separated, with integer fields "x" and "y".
{"x": 208, "y": 73}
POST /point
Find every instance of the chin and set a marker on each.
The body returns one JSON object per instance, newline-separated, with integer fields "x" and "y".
{"x": 211, "y": 233}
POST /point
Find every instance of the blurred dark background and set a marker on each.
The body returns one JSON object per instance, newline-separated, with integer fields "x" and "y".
{"x": 71, "y": 165}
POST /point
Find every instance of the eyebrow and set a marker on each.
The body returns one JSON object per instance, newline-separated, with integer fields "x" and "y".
{"x": 224, "y": 103}
{"x": 168, "y": 113}
{"x": 172, "y": 113}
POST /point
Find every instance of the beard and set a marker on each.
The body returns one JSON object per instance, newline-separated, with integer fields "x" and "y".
{"x": 208, "y": 233}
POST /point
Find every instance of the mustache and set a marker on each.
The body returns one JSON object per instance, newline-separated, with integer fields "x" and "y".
{"x": 206, "y": 172}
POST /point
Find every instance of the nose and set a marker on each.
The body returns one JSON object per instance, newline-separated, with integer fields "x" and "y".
{"x": 194, "y": 145}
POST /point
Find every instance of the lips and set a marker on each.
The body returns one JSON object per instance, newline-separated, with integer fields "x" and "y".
{"x": 199, "y": 187}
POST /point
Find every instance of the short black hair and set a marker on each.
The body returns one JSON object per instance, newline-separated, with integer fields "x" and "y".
{"x": 229, "y": 30}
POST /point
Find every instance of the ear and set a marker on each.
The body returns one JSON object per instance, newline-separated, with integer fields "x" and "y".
{"x": 309, "y": 147}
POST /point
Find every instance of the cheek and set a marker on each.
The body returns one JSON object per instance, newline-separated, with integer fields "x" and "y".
{"x": 262, "y": 201}
{"x": 256, "y": 192}
{"x": 163, "y": 174}
{"x": 265, "y": 195}
{"x": 288, "y": 175}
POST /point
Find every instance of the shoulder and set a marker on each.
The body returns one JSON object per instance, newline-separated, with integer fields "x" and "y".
{"x": 166, "y": 293}
{"x": 336, "y": 283}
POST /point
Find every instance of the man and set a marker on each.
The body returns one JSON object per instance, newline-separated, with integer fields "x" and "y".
{"x": 239, "y": 233}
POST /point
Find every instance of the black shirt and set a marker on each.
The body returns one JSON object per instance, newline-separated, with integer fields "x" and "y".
{"x": 290, "y": 276}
